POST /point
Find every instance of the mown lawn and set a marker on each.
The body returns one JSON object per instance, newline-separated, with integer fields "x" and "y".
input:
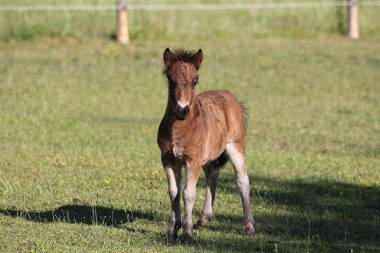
{"x": 80, "y": 169}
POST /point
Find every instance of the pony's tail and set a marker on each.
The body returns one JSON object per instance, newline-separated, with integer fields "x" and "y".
{"x": 245, "y": 116}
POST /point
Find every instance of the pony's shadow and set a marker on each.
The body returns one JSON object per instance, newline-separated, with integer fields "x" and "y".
{"x": 84, "y": 214}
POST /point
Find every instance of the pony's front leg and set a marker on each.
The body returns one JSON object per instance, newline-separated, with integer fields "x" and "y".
{"x": 173, "y": 173}
{"x": 189, "y": 193}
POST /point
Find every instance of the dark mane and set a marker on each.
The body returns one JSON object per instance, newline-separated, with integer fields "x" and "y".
{"x": 183, "y": 55}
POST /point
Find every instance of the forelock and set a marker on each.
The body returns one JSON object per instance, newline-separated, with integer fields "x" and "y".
{"x": 183, "y": 55}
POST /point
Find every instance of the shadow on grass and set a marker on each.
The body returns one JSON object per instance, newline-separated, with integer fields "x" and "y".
{"x": 329, "y": 215}
{"x": 83, "y": 214}
{"x": 325, "y": 216}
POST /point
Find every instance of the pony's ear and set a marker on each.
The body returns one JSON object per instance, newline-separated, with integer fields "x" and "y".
{"x": 197, "y": 59}
{"x": 169, "y": 58}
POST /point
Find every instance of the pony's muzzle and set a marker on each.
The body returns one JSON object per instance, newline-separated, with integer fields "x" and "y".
{"x": 182, "y": 112}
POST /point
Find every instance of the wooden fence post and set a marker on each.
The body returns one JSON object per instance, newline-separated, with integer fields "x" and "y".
{"x": 122, "y": 22}
{"x": 353, "y": 22}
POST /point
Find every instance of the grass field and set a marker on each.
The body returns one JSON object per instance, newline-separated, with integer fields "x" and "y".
{"x": 80, "y": 169}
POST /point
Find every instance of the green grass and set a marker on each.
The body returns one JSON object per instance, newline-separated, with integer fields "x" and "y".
{"x": 80, "y": 168}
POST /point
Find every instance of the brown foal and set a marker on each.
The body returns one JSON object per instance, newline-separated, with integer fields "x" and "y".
{"x": 199, "y": 131}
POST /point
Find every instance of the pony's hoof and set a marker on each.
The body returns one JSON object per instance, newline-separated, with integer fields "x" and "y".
{"x": 186, "y": 237}
{"x": 172, "y": 236}
{"x": 200, "y": 225}
{"x": 248, "y": 231}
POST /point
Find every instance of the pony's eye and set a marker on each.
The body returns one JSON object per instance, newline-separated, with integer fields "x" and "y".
{"x": 171, "y": 83}
{"x": 195, "y": 81}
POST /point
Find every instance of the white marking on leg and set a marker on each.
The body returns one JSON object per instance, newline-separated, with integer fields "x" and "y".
{"x": 206, "y": 213}
{"x": 207, "y": 208}
{"x": 242, "y": 183}
{"x": 236, "y": 157}
{"x": 189, "y": 193}
{"x": 238, "y": 161}
{"x": 173, "y": 190}
{"x": 174, "y": 179}
{"x": 211, "y": 180}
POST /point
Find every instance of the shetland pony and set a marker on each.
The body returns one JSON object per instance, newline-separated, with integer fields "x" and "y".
{"x": 199, "y": 131}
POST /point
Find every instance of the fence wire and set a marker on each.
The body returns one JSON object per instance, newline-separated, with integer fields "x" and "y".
{"x": 184, "y": 6}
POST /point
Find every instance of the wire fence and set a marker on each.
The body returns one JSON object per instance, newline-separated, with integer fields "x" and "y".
{"x": 256, "y": 19}
{"x": 185, "y": 6}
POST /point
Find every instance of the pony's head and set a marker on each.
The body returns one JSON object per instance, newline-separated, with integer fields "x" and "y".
{"x": 181, "y": 69}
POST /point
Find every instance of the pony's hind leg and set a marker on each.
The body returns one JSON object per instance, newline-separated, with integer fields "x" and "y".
{"x": 173, "y": 173}
{"x": 211, "y": 174}
{"x": 237, "y": 158}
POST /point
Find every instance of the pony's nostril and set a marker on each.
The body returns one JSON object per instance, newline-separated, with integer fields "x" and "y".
{"x": 177, "y": 110}
{"x": 187, "y": 110}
